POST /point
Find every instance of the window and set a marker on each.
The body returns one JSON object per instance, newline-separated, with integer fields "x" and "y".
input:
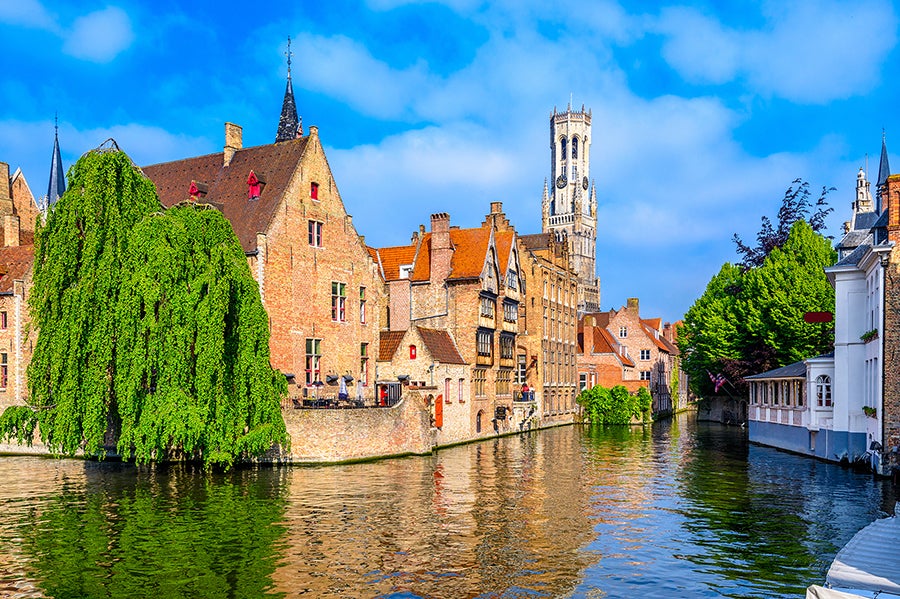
{"x": 645, "y": 375}
{"x": 645, "y": 354}
{"x": 623, "y": 332}
{"x": 460, "y": 396}
{"x": 510, "y": 312}
{"x": 405, "y": 270}
{"x": 582, "y": 381}
{"x": 313, "y": 359}
{"x": 823, "y": 390}
{"x": 314, "y": 191}
{"x": 485, "y": 342}
{"x": 521, "y": 368}
{"x": 574, "y": 147}
{"x": 4, "y": 323}
{"x": 364, "y": 363}
{"x": 4, "y": 371}
{"x": 338, "y": 302}
{"x": 487, "y": 307}
{"x": 446, "y": 390}
{"x": 315, "y": 233}
{"x": 479, "y": 376}
{"x": 512, "y": 280}
{"x": 362, "y": 305}
{"x": 507, "y": 347}
{"x": 253, "y": 186}
{"x": 562, "y": 148}
{"x": 503, "y": 379}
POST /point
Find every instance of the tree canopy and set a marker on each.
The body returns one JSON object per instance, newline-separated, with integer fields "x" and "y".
{"x": 152, "y": 335}
{"x": 750, "y": 320}
{"x": 616, "y": 405}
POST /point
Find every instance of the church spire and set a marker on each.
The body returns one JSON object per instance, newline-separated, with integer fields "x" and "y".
{"x": 884, "y": 171}
{"x": 57, "y": 184}
{"x": 289, "y": 125}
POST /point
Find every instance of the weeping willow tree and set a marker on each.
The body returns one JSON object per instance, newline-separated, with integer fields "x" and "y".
{"x": 113, "y": 303}
{"x": 195, "y": 380}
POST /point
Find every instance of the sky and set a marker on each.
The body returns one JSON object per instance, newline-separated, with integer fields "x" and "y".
{"x": 703, "y": 112}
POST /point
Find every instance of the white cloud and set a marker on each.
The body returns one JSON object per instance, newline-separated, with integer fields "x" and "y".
{"x": 29, "y": 13}
{"x": 100, "y": 36}
{"x": 811, "y": 52}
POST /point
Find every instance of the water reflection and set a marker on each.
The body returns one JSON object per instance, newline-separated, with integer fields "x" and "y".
{"x": 679, "y": 509}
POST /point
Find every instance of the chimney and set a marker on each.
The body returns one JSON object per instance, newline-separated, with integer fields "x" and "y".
{"x": 11, "y": 230}
{"x": 496, "y": 207}
{"x": 634, "y": 304}
{"x": 233, "y": 141}
{"x": 587, "y": 336}
{"x": 441, "y": 250}
{"x": 6, "y": 203}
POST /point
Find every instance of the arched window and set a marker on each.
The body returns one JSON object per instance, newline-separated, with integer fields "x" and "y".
{"x": 574, "y": 147}
{"x": 562, "y": 148}
{"x": 478, "y": 421}
{"x": 823, "y": 391}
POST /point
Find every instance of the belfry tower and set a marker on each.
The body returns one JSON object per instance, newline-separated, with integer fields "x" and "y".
{"x": 569, "y": 204}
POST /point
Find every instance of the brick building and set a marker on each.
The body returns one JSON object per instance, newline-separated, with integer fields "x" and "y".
{"x": 548, "y": 326}
{"x": 317, "y": 280}
{"x": 890, "y": 413}
{"x": 19, "y": 215}
{"x": 467, "y": 283}
{"x": 641, "y": 341}
{"x": 602, "y": 360}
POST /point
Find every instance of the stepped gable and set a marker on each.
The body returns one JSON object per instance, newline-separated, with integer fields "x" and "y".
{"x": 15, "y": 262}
{"x": 440, "y": 345}
{"x": 227, "y": 185}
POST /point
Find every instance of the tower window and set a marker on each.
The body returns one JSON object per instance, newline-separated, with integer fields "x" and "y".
{"x": 562, "y": 147}
{"x": 574, "y": 147}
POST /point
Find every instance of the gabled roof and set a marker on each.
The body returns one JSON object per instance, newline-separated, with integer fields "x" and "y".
{"x": 275, "y": 163}
{"x": 392, "y": 258}
{"x": 441, "y": 346}
{"x": 470, "y": 251}
{"x": 653, "y": 323}
{"x": 602, "y": 343}
{"x": 388, "y": 342}
{"x": 660, "y": 343}
{"x": 504, "y": 243}
{"x": 15, "y": 262}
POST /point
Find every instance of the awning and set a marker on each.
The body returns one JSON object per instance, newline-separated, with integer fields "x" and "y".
{"x": 870, "y": 561}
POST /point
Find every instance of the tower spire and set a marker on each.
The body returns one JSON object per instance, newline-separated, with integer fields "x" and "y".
{"x": 884, "y": 171}
{"x": 57, "y": 185}
{"x": 289, "y": 125}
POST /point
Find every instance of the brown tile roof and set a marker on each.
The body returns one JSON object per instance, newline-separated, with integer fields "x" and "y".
{"x": 15, "y": 262}
{"x": 653, "y": 323}
{"x": 660, "y": 343}
{"x": 392, "y": 258}
{"x": 469, "y": 252}
{"x": 536, "y": 241}
{"x": 601, "y": 319}
{"x": 603, "y": 343}
{"x": 389, "y": 341}
{"x": 440, "y": 345}
{"x": 275, "y": 163}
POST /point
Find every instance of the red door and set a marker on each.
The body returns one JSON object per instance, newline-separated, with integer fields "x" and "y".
{"x": 439, "y": 411}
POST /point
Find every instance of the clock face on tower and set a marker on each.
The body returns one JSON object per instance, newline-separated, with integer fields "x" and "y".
{"x": 561, "y": 181}
{"x": 584, "y": 183}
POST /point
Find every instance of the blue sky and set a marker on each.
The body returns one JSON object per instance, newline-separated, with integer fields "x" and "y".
{"x": 702, "y": 115}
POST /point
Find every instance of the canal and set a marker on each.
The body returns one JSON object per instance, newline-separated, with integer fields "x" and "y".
{"x": 679, "y": 509}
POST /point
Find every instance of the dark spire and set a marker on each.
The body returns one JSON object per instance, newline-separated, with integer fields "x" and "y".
{"x": 289, "y": 125}
{"x": 57, "y": 185}
{"x": 884, "y": 171}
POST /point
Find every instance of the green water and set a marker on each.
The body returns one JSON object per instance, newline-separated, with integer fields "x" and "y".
{"x": 677, "y": 510}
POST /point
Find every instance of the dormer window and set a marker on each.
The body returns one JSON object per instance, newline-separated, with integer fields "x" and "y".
{"x": 254, "y": 186}
{"x": 198, "y": 190}
{"x": 314, "y": 191}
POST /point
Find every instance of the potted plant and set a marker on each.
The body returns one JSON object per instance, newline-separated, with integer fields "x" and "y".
{"x": 869, "y": 335}
{"x": 869, "y": 411}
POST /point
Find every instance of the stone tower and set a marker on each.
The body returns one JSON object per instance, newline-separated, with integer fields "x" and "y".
{"x": 569, "y": 204}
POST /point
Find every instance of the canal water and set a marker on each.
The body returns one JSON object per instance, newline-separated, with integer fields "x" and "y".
{"x": 679, "y": 509}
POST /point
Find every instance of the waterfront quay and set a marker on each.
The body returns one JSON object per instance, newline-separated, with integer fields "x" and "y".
{"x": 677, "y": 509}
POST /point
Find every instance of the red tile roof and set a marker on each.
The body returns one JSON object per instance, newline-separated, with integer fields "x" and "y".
{"x": 440, "y": 345}
{"x": 389, "y": 341}
{"x": 653, "y": 323}
{"x": 660, "y": 343}
{"x": 504, "y": 242}
{"x": 603, "y": 343}
{"x": 392, "y": 258}
{"x": 15, "y": 262}
{"x": 469, "y": 253}
{"x": 274, "y": 163}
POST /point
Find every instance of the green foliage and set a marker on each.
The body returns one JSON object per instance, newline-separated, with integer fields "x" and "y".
{"x": 615, "y": 406}
{"x": 196, "y": 379}
{"x": 750, "y": 321}
{"x": 152, "y": 334}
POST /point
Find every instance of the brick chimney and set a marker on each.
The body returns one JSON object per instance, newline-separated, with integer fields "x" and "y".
{"x": 892, "y": 199}
{"x": 6, "y": 204}
{"x": 233, "y": 141}
{"x": 441, "y": 250}
{"x": 587, "y": 337}
{"x": 633, "y": 305}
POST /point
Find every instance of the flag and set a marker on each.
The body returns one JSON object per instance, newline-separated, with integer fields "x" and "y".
{"x": 717, "y": 379}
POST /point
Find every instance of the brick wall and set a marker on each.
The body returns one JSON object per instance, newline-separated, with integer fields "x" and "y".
{"x": 891, "y": 407}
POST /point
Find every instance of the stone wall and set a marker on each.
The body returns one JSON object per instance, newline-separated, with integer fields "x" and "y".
{"x": 342, "y": 435}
